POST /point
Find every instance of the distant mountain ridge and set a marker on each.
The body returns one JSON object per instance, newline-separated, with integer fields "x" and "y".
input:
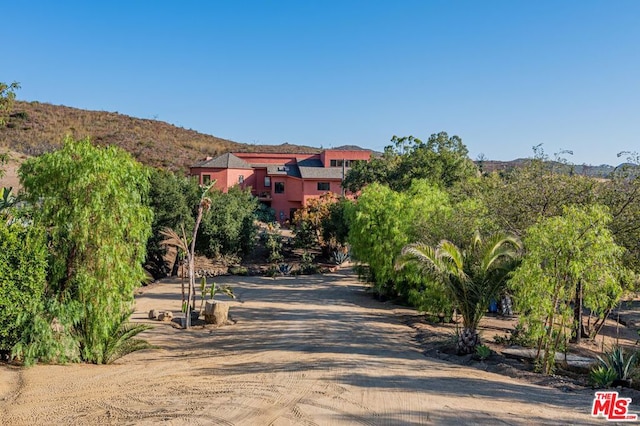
{"x": 601, "y": 171}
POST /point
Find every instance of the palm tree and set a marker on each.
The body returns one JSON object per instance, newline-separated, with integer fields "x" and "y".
{"x": 472, "y": 277}
{"x": 172, "y": 238}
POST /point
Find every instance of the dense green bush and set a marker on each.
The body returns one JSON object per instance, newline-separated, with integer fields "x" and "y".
{"x": 228, "y": 228}
{"x": 335, "y": 226}
{"x": 383, "y": 221}
{"x": 23, "y": 261}
{"x": 171, "y": 199}
{"x": 265, "y": 214}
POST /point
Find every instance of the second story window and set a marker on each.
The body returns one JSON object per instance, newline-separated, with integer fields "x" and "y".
{"x": 241, "y": 179}
{"x": 267, "y": 181}
{"x": 323, "y": 186}
{"x": 279, "y": 187}
{"x": 340, "y": 163}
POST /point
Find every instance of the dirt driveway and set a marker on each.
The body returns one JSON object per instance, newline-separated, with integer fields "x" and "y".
{"x": 312, "y": 350}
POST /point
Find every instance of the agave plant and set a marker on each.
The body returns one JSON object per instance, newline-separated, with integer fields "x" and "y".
{"x": 619, "y": 363}
{"x": 285, "y": 268}
{"x": 7, "y": 199}
{"x": 340, "y": 257}
{"x": 602, "y": 377}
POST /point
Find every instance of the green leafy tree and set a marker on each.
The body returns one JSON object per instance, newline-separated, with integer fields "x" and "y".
{"x": 569, "y": 257}
{"x": 228, "y": 228}
{"x": 376, "y": 170}
{"x": 7, "y": 99}
{"x": 171, "y": 200}
{"x": 92, "y": 202}
{"x": 621, "y": 194}
{"x": 441, "y": 160}
{"x": 540, "y": 189}
{"x": 470, "y": 278}
{"x": 335, "y": 226}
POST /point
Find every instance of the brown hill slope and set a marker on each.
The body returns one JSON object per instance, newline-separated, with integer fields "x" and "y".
{"x": 35, "y": 128}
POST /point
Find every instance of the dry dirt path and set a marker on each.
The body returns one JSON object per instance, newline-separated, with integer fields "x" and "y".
{"x": 311, "y": 351}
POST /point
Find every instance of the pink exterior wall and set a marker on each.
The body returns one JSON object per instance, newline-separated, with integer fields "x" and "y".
{"x": 258, "y": 181}
{"x": 220, "y": 176}
{"x": 290, "y": 199}
{"x": 234, "y": 174}
{"x": 310, "y": 189}
{"x": 225, "y": 178}
{"x": 334, "y": 154}
{"x": 269, "y": 158}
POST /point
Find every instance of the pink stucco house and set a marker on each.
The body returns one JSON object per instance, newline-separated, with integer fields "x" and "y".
{"x": 284, "y": 182}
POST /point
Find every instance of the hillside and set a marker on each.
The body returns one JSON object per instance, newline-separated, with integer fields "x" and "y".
{"x": 601, "y": 171}
{"x": 35, "y": 128}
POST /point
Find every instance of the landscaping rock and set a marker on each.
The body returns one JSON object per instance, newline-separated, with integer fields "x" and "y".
{"x": 165, "y": 316}
{"x": 216, "y": 312}
{"x": 153, "y": 314}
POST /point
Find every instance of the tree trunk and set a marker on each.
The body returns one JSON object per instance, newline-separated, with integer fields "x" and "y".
{"x": 578, "y": 329}
{"x": 468, "y": 339}
{"x": 176, "y": 263}
{"x": 192, "y": 279}
{"x": 216, "y": 312}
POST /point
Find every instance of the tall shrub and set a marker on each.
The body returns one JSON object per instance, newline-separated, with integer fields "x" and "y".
{"x": 383, "y": 221}
{"x": 92, "y": 202}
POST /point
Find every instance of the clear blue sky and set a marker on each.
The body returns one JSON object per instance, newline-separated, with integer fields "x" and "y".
{"x": 503, "y": 75}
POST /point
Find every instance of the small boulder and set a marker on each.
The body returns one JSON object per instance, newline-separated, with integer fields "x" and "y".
{"x": 153, "y": 314}
{"x": 216, "y": 312}
{"x": 165, "y": 316}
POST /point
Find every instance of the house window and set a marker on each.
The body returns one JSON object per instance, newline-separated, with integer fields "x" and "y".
{"x": 267, "y": 181}
{"x": 241, "y": 179}
{"x": 279, "y": 187}
{"x": 206, "y": 179}
{"x": 323, "y": 186}
{"x": 340, "y": 163}
{"x": 346, "y": 163}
